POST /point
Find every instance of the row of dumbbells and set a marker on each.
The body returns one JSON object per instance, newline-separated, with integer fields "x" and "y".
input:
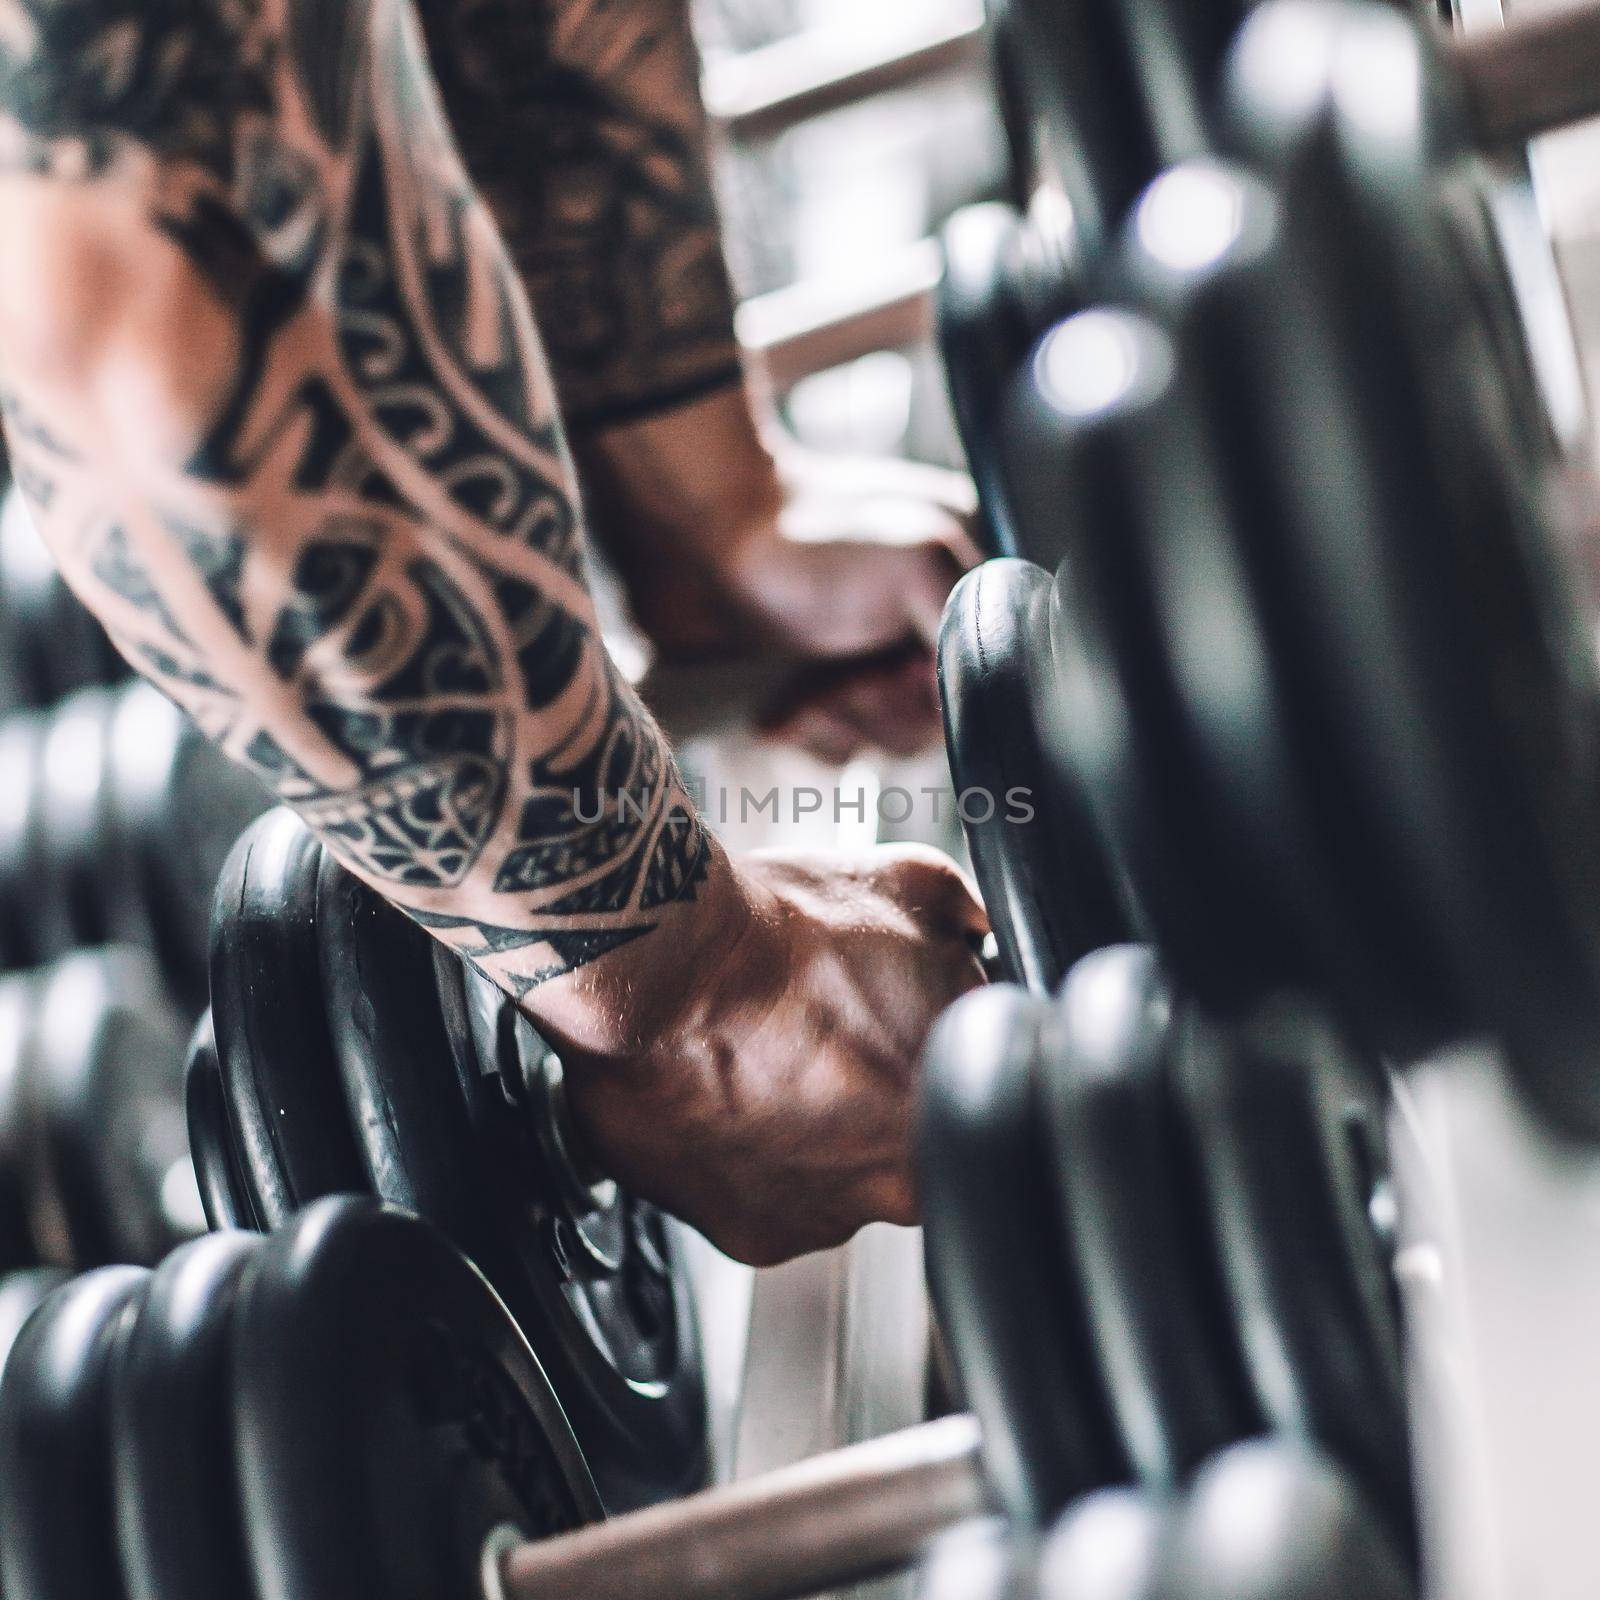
{"x": 1287, "y": 646}
{"x": 115, "y": 817}
{"x": 346, "y": 1408}
{"x": 1152, "y": 1238}
{"x": 1297, "y": 652}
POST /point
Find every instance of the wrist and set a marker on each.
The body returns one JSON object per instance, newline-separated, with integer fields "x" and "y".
{"x": 684, "y": 489}
{"x": 656, "y": 998}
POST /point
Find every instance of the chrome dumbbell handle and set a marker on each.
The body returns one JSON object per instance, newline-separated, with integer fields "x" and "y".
{"x": 839, "y": 1518}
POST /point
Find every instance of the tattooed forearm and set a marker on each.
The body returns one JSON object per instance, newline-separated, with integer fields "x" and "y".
{"x": 363, "y": 574}
{"x": 581, "y": 121}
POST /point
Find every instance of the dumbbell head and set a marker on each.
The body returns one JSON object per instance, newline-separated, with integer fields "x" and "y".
{"x": 1453, "y": 648}
{"x": 1273, "y": 1521}
{"x": 22, "y": 1291}
{"x": 388, "y": 1417}
{"x": 56, "y": 1523}
{"x": 174, "y": 1480}
{"x": 1164, "y": 1334}
{"x": 401, "y": 1075}
{"x": 1202, "y": 258}
{"x": 463, "y": 1137}
{"x": 1088, "y": 426}
{"x": 224, "y": 1193}
{"x": 998, "y": 1261}
{"x": 1288, "y": 1123}
{"x": 115, "y": 818}
{"x": 1045, "y": 877}
{"x": 285, "y": 1106}
{"x": 344, "y": 1408}
{"x": 108, "y": 1166}
{"x": 1007, "y": 277}
{"x": 1106, "y": 1547}
{"x": 19, "y": 1245}
{"x": 176, "y": 805}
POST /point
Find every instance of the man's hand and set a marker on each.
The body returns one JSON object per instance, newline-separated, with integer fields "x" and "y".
{"x": 773, "y": 1106}
{"x": 731, "y": 550}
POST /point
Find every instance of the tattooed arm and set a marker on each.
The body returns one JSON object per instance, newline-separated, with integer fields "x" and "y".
{"x": 277, "y": 401}
{"x": 582, "y": 123}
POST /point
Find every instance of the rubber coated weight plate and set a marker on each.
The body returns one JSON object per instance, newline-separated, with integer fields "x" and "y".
{"x": 224, "y": 1194}
{"x": 388, "y": 1415}
{"x": 285, "y": 1104}
{"x": 21, "y": 741}
{"x": 1290, "y": 1127}
{"x": 176, "y": 806}
{"x": 176, "y": 1496}
{"x": 22, "y": 1292}
{"x": 999, "y": 1263}
{"x": 1459, "y": 673}
{"x": 1093, "y": 138}
{"x": 623, "y": 1285}
{"x": 18, "y": 1246}
{"x": 1132, "y": 1201}
{"x": 1107, "y": 1547}
{"x": 1272, "y": 1521}
{"x": 1086, "y": 422}
{"x": 1006, "y": 279}
{"x": 56, "y": 1522}
{"x": 598, "y": 1296}
{"x": 981, "y": 346}
{"x": 108, "y": 1064}
{"x": 69, "y": 813}
{"x": 1199, "y": 254}
{"x": 1044, "y": 876}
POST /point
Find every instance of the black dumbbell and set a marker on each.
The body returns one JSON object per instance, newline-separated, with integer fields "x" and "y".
{"x": 1450, "y": 648}
{"x": 344, "y": 1408}
{"x": 1288, "y": 1124}
{"x": 115, "y": 817}
{"x": 1115, "y": 714}
{"x": 408, "y": 1077}
{"x": 1050, "y": 889}
{"x": 1009, "y": 1301}
{"x": 56, "y": 1526}
{"x": 1164, "y": 1337}
{"x": 219, "y": 1173}
{"x": 1216, "y": 1183}
{"x": 1108, "y": 1546}
{"x": 49, "y": 643}
{"x": 1007, "y": 278}
{"x": 95, "y": 1156}
{"x": 22, "y": 1291}
{"x": 1273, "y": 1521}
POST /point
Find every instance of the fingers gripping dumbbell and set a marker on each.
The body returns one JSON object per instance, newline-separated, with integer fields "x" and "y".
{"x": 403, "y": 1075}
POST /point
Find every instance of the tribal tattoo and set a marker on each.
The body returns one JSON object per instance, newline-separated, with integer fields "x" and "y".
{"x": 365, "y": 577}
{"x": 581, "y": 122}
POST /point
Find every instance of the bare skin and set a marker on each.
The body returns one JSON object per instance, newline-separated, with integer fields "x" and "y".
{"x": 274, "y": 391}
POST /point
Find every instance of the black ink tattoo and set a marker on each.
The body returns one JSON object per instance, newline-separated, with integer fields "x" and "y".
{"x": 366, "y": 580}
{"x": 582, "y": 124}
